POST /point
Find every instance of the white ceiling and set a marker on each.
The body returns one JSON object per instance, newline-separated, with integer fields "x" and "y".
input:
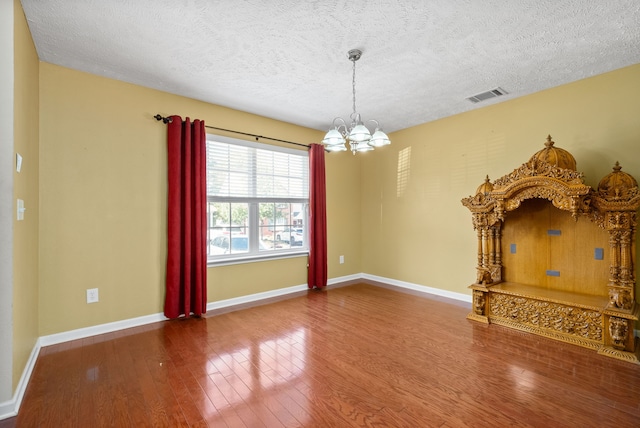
{"x": 287, "y": 59}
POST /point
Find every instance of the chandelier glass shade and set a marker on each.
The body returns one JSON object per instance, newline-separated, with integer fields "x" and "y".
{"x": 355, "y": 133}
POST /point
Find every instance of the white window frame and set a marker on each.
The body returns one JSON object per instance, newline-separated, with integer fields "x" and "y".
{"x": 253, "y": 222}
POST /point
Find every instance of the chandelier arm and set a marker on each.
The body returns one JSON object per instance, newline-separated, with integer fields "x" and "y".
{"x": 339, "y": 119}
{"x": 343, "y": 125}
{"x": 374, "y": 121}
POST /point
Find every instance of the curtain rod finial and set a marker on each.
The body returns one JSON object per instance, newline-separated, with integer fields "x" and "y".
{"x": 158, "y": 117}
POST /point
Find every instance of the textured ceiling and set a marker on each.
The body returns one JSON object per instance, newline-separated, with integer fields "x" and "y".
{"x": 287, "y": 59}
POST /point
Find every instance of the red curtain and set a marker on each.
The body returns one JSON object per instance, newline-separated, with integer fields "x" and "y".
{"x": 186, "y": 281}
{"x": 317, "y": 274}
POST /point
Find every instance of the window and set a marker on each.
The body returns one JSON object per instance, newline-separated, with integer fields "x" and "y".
{"x": 258, "y": 198}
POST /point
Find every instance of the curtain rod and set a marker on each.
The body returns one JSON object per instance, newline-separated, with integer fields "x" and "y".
{"x": 159, "y": 117}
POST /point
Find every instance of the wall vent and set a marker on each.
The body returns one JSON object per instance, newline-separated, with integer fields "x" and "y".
{"x": 497, "y": 92}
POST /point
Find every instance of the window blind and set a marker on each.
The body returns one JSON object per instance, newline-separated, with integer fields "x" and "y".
{"x": 256, "y": 171}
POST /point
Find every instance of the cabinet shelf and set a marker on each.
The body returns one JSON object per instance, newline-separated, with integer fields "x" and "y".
{"x": 585, "y": 301}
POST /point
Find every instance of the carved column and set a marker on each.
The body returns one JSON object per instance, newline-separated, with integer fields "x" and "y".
{"x": 621, "y": 281}
{"x": 626, "y": 265}
{"x": 495, "y": 252}
{"x": 479, "y": 233}
{"x": 498, "y": 236}
{"x": 614, "y": 268}
{"x": 616, "y": 203}
{"x": 485, "y": 255}
{"x": 481, "y": 206}
{"x": 492, "y": 246}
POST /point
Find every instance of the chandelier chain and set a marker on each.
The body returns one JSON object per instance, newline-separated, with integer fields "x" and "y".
{"x": 353, "y": 83}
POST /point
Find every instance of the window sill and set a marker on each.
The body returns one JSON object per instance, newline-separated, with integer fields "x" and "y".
{"x": 256, "y": 258}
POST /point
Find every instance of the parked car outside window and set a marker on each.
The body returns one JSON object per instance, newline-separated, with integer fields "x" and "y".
{"x": 290, "y": 235}
{"x": 233, "y": 244}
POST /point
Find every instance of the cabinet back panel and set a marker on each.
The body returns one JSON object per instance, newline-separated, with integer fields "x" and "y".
{"x": 553, "y": 250}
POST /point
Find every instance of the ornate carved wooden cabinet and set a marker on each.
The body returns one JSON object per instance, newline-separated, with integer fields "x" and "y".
{"x": 556, "y": 257}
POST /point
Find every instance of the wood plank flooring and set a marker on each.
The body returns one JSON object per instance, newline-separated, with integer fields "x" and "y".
{"x": 353, "y": 356}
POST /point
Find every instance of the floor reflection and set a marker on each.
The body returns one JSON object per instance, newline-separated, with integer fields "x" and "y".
{"x": 268, "y": 371}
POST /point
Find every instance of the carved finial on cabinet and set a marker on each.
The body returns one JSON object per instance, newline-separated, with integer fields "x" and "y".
{"x": 617, "y": 167}
{"x": 618, "y": 185}
{"x": 549, "y": 142}
{"x": 555, "y": 156}
{"x": 485, "y": 188}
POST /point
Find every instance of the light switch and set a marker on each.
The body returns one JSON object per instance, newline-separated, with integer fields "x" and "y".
{"x": 18, "y": 162}
{"x": 21, "y": 210}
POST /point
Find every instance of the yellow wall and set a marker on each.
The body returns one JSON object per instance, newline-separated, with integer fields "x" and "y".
{"x": 103, "y": 188}
{"x": 424, "y": 235}
{"x": 103, "y": 209}
{"x": 25, "y": 233}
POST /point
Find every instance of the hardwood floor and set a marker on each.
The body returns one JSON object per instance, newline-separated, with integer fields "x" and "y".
{"x": 352, "y": 356}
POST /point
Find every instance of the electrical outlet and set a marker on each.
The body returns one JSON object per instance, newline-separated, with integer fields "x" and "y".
{"x": 92, "y": 295}
{"x": 341, "y": 259}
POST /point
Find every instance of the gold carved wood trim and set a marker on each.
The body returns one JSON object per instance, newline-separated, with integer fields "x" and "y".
{"x": 583, "y": 301}
{"x": 565, "y": 196}
{"x": 574, "y": 340}
{"x": 537, "y": 168}
{"x": 630, "y": 357}
{"x": 572, "y": 324}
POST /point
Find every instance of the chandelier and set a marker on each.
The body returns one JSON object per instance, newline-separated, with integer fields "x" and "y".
{"x": 356, "y": 133}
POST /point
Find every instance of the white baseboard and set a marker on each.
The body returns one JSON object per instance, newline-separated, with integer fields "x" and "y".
{"x": 9, "y": 409}
{"x": 417, "y": 287}
{"x": 257, "y": 297}
{"x": 81, "y": 333}
{"x": 347, "y": 278}
{"x": 253, "y": 298}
